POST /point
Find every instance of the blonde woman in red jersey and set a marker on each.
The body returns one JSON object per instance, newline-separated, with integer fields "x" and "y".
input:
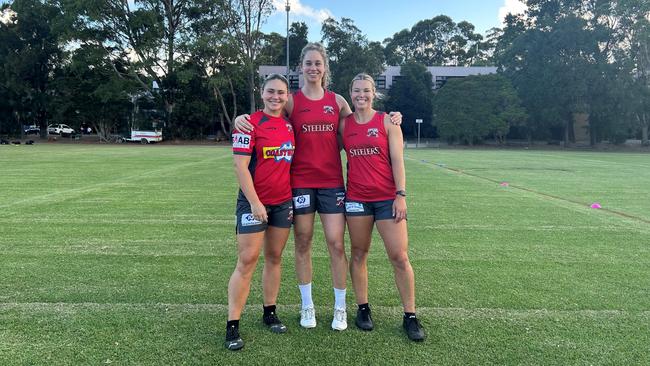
{"x": 317, "y": 179}
{"x": 376, "y": 195}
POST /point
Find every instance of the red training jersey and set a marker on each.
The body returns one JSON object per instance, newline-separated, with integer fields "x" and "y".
{"x": 270, "y": 146}
{"x": 317, "y": 163}
{"x": 370, "y": 174}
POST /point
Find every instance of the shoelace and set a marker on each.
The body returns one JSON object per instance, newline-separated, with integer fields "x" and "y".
{"x": 308, "y": 313}
{"x": 413, "y": 324}
{"x": 232, "y": 333}
{"x": 339, "y": 314}
{"x": 272, "y": 319}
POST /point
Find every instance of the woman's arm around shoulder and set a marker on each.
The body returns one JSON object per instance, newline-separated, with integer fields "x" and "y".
{"x": 288, "y": 108}
{"x": 344, "y": 107}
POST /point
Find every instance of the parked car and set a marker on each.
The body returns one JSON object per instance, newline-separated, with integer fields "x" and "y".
{"x": 32, "y": 130}
{"x": 144, "y": 137}
{"x": 60, "y": 129}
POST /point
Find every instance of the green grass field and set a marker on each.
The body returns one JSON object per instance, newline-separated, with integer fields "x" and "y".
{"x": 122, "y": 254}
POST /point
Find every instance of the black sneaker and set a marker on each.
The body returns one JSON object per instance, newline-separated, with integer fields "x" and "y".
{"x": 273, "y": 322}
{"x": 413, "y": 329}
{"x": 233, "y": 340}
{"x": 363, "y": 320}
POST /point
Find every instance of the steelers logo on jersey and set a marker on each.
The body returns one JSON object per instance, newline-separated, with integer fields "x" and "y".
{"x": 328, "y": 109}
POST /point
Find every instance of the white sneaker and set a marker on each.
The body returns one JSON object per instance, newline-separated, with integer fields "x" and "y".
{"x": 308, "y": 317}
{"x": 340, "y": 321}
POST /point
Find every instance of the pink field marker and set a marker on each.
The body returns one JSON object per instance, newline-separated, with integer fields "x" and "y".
{"x": 596, "y": 205}
{"x": 504, "y": 184}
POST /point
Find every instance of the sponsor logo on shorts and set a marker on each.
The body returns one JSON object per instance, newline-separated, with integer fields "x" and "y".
{"x": 241, "y": 141}
{"x": 328, "y": 109}
{"x": 247, "y": 219}
{"x": 279, "y": 153}
{"x": 301, "y": 201}
{"x": 290, "y": 217}
{"x": 373, "y": 132}
{"x": 353, "y": 207}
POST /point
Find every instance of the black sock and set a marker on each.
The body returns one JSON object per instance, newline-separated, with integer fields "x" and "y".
{"x": 409, "y": 315}
{"x": 232, "y": 323}
{"x": 268, "y": 310}
{"x": 364, "y": 307}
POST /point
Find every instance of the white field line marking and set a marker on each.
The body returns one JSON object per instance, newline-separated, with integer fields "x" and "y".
{"x": 450, "y": 311}
{"x": 573, "y": 205}
{"x": 99, "y": 186}
{"x": 597, "y": 162}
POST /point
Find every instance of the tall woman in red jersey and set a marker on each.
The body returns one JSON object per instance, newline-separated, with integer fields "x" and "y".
{"x": 376, "y": 195}
{"x": 264, "y": 210}
{"x": 317, "y": 179}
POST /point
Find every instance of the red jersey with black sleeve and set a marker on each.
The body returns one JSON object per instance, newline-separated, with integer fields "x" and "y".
{"x": 270, "y": 146}
{"x": 370, "y": 174}
{"x": 317, "y": 163}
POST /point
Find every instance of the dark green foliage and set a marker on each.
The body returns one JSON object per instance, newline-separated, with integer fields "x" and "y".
{"x": 30, "y": 51}
{"x": 89, "y": 92}
{"x": 349, "y": 53}
{"x": 436, "y": 41}
{"x": 412, "y": 95}
{"x": 274, "y": 51}
{"x": 578, "y": 57}
{"x": 474, "y": 108}
{"x": 196, "y": 115}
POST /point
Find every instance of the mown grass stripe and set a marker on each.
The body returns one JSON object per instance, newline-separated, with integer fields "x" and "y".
{"x": 543, "y": 194}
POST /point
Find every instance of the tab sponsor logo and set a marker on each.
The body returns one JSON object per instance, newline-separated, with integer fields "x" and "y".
{"x": 241, "y": 141}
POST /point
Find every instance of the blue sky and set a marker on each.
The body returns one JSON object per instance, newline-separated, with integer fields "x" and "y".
{"x": 382, "y": 18}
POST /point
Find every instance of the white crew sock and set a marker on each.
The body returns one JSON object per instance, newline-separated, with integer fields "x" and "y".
{"x": 339, "y": 298}
{"x": 305, "y": 295}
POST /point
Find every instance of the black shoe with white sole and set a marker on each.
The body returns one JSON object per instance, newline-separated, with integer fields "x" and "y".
{"x": 364, "y": 319}
{"x": 413, "y": 329}
{"x": 273, "y": 322}
{"x": 233, "y": 340}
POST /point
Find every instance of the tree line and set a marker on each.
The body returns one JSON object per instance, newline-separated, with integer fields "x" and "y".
{"x": 191, "y": 66}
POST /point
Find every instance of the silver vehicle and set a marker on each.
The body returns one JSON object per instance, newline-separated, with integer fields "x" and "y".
{"x": 60, "y": 129}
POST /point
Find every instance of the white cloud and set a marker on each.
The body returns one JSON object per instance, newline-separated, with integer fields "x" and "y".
{"x": 5, "y": 16}
{"x": 511, "y": 7}
{"x": 303, "y": 12}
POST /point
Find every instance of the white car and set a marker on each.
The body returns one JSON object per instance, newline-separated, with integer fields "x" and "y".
{"x": 60, "y": 129}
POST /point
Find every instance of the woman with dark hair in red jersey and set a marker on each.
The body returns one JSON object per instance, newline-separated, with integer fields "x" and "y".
{"x": 264, "y": 211}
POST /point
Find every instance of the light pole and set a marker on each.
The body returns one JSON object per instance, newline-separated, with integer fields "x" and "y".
{"x": 287, "y": 7}
{"x": 419, "y": 123}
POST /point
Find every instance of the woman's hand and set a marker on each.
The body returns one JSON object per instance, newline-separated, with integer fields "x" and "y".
{"x": 395, "y": 118}
{"x": 242, "y": 123}
{"x": 399, "y": 208}
{"x": 259, "y": 212}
